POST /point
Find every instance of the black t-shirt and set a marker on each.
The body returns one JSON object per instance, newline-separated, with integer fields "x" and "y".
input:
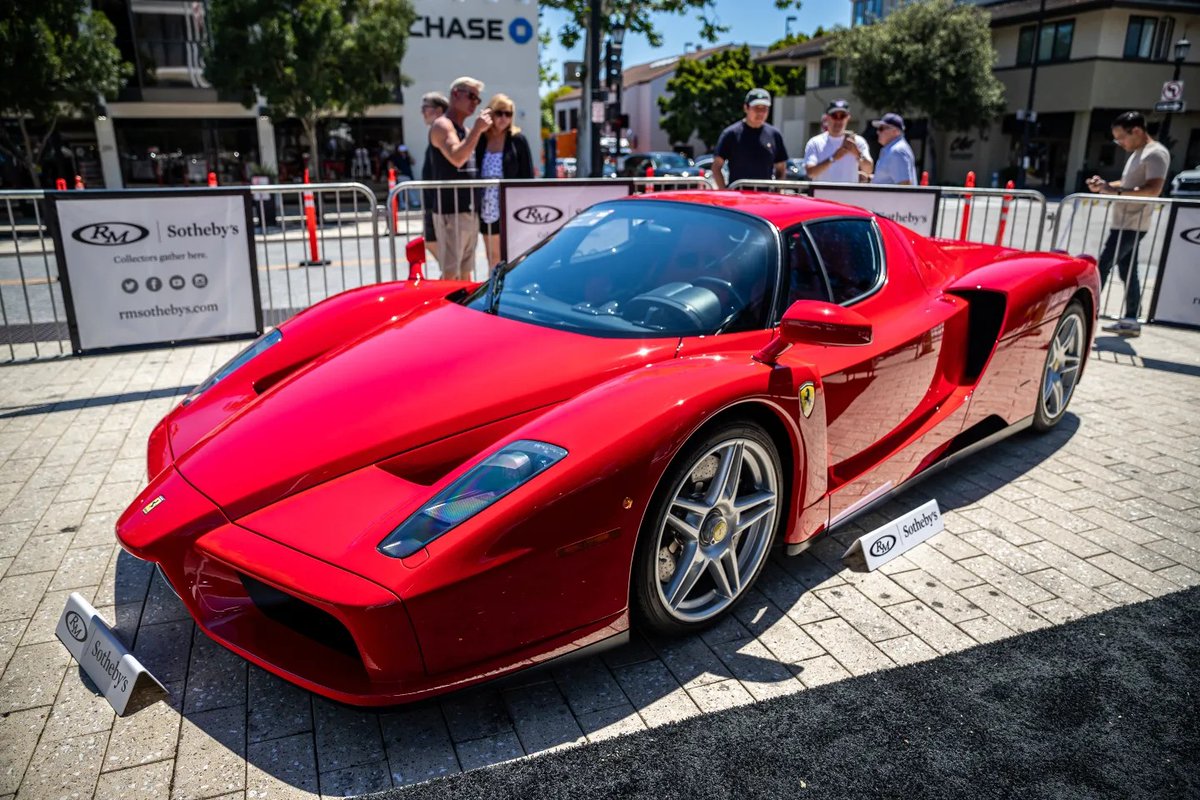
{"x": 752, "y": 153}
{"x": 451, "y": 201}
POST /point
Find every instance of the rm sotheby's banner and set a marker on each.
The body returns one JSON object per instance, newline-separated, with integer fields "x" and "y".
{"x": 532, "y": 211}
{"x": 913, "y": 208}
{"x": 1177, "y": 297}
{"x": 143, "y": 268}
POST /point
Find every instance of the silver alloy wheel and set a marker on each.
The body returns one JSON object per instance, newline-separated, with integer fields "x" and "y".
{"x": 717, "y": 529}
{"x": 1062, "y": 366}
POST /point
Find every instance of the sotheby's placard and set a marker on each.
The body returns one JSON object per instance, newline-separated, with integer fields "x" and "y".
{"x": 1177, "y": 292}
{"x": 915, "y": 208}
{"x": 125, "y": 683}
{"x": 881, "y": 545}
{"x": 144, "y": 268}
{"x": 532, "y": 210}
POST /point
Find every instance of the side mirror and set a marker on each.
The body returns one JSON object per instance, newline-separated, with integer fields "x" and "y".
{"x": 414, "y": 253}
{"x": 816, "y": 322}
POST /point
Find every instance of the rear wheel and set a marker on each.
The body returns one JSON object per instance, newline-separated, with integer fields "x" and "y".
{"x": 709, "y": 529}
{"x": 1064, "y": 361}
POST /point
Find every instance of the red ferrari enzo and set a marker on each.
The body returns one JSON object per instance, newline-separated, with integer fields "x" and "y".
{"x": 416, "y": 486}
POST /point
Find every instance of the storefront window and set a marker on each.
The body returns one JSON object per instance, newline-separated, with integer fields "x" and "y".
{"x": 1054, "y": 44}
{"x": 181, "y": 152}
{"x": 357, "y": 149}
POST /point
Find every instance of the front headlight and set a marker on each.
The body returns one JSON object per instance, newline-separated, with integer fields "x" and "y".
{"x": 254, "y": 349}
{"x": 478, "y": 488}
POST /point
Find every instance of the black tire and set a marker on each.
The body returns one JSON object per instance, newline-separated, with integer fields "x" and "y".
{"x": 729, "y": 540}
{"x": 1061, "y": 369}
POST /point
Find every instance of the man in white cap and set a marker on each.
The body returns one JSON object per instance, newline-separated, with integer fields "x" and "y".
{"x": 752, "y": 147}
{"x": 837, "y": 155}
{"x": 896, "y": 161}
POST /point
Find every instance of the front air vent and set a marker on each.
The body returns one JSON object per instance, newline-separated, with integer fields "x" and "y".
{"x": 299, "y": 616}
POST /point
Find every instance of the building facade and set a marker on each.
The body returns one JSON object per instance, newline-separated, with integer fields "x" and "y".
{"x": 1096, "y": 59}
{"x": 169, "y": 127}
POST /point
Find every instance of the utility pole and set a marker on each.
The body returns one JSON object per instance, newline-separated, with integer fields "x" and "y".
{"x": 1181, "y": 51}
{"x": 1030, "y": 116}
{"x": 595, "y": 33}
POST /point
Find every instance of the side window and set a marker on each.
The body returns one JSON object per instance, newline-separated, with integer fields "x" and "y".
{"x": 804, "y": 281}
{"x": 850, "y": 252}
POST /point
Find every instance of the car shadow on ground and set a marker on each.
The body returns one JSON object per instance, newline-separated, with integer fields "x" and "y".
{"x": 776, "y": 642}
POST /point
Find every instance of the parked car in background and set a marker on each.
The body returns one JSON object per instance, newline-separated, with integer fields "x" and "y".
{"x": 1187, "y": 183}
{"x": 566, "y": 167}
{"x": 665, "y": 164}
{"x": 795, "y": 168}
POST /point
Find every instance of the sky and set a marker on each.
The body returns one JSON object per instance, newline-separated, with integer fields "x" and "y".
{"x": 750, "y": 22}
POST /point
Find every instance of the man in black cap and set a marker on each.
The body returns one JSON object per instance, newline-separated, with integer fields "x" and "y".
{"x": 896, "y": 161}
{"x": 752, "y": 147}
{"x": 837, "y": 154}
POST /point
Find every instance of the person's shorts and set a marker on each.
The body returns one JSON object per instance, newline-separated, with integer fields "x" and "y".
{"x": 430, "y": 233}
{"x": 489, "y": 228}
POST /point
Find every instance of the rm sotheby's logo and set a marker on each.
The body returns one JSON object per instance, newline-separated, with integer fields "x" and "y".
{"x": 1191, "y": 235}
{"x": 538, "y": 215}
{"x": 108, "y": 234}
{"x": 76, "y": 626}
{"x": 883, "y": 545}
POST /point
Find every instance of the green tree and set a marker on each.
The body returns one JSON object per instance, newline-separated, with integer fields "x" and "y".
{"x": 933, "y": 58}
{"x": 58, "y": 59}
{"x": 310, "y": 59}
{"x": 706, "y": 95}
{"x": 548, "y": 123}
{"x": 796, "y": 38}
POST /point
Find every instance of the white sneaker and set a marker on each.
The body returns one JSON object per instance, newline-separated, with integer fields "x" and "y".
{"x": 1125, "y": 327}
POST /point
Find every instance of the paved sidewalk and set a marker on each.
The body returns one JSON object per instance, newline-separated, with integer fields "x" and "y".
{"x": 1103, "y": 512}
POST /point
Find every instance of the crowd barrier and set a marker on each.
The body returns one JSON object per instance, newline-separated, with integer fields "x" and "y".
{"x": 1090, "y": 224}
{"x": 1007, "y": 217}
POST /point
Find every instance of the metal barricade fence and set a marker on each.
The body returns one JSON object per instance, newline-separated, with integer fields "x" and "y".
{"x": 345, "y": 229}
{"x": 292, "y": 273}
{"x": 32, "y": 313}
{"x": 409, "y": 207}
{"x": 1127, "y": 235}
{"x": 1009, "y": 217}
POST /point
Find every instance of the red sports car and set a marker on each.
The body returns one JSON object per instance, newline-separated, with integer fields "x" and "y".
{"x": 417, "y": 486}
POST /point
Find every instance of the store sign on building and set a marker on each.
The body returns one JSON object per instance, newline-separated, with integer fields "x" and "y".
{"x": 494, "y": 41}
{"x": 143, "y": 268}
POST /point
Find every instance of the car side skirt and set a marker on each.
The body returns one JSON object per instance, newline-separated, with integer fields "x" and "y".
{"x": 933, "y": 469}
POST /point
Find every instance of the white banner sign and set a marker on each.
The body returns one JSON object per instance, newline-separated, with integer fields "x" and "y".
{"x": 151, "y": 269}
{"x": 916, "y": 209}
{"x": 533, "y": 211}
{"x": 885, "y": 543}
{"x": 125, "y": 683}
{"x": 1177, "y": 298}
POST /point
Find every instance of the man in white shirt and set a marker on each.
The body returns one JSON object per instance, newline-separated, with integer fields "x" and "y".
{"x": 836, "y": 155}
{"x": 1144, "y": 175}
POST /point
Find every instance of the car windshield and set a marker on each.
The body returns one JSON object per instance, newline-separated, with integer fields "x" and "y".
{"x": 673, "y": 160}
{"x": 638, "y": 268}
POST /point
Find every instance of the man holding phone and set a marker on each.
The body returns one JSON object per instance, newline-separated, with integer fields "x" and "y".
{"x": 837, "y": 154}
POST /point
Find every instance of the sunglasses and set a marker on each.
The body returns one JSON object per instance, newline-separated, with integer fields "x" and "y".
{"x": 839, "y": 116}
{"x": 496, "y": 113}
{"x": 474, "y": 98}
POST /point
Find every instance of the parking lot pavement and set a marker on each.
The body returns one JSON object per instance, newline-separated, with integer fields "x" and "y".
{"x": 1099, "y": 514}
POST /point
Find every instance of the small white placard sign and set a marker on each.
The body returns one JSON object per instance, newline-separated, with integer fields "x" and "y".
{"x": 885, "y": 543}
{"x": 126, "y": 684}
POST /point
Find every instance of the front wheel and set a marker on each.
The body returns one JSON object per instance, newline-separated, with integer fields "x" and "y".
{"x": 709, "y": 529}
{"x": 1064, "y": 362}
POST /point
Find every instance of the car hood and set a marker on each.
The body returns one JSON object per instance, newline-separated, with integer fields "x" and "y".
{"x": 419, "y": 380}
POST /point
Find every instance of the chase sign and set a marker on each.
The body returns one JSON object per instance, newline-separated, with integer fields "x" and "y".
{"x": 519, "y": 30}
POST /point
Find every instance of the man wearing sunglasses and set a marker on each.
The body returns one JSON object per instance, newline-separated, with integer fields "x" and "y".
{"x": 896, "y": 161}
{"x": 837, "y": 155}
{"x": 453, "y": 158}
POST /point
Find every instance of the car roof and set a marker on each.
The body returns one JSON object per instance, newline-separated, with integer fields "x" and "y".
{"x": 783, "y": 210}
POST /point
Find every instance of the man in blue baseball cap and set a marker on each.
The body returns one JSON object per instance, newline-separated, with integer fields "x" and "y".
{"x": 896, "y": 162}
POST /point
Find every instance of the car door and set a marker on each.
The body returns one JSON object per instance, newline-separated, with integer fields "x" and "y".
{"x": 876, "y": 396}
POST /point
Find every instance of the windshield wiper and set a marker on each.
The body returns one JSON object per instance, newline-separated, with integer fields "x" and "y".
{"x": 497, "y": 286}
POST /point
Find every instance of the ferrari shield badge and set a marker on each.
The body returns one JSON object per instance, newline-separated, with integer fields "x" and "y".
{"x": 808, "y": 397}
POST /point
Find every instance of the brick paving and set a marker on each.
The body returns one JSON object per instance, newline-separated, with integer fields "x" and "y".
{"x": 1103, "y": 512}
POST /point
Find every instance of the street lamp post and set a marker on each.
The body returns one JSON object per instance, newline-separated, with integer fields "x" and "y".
{"x": 616, "y": 41}
{"x": 1028, "y": 115}
{"x": 1181, "y": 50}
{"x": 594, "y": 169}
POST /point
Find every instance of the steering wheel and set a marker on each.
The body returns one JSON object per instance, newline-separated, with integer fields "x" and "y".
{"x": 736, "y": 301}
{"x": 672, "y": 314}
